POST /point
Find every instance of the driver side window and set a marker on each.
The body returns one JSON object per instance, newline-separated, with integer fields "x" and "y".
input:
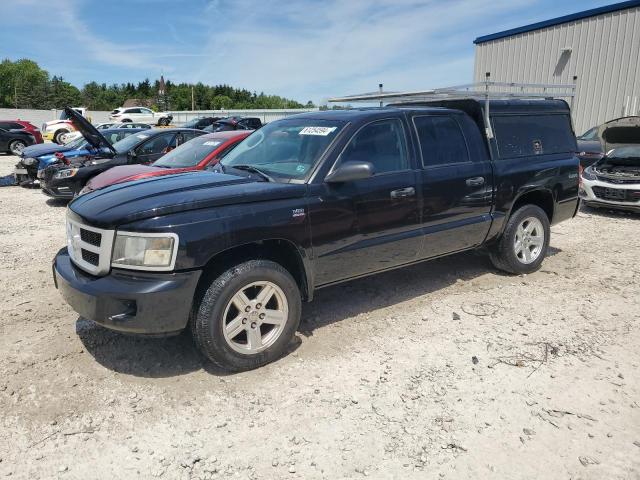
{"x": 156, "y": 145}
{"x": 380, "y": 143}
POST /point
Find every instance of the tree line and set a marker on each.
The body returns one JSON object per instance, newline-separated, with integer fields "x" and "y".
{"x": 23, "y": 84}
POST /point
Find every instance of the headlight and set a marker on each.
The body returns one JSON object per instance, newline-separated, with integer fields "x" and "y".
{"x": 588, "y": 174}
{"x": 30, "y": 161}
{"x": 145, "y": 251}
{"x": 66, "y": 173}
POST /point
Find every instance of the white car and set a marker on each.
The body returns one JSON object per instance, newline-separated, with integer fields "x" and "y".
{"x": 141, "y": 115}
{"x": 614, "y": 181}
{"x": 54, "y": 130}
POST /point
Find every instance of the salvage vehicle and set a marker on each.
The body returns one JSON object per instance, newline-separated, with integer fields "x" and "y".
{"x": 310, "y": 201}
{"x": 592, "y": 146}
{"x": 66, "y": 179}
{"x": 613, "y": 181}
{"x": 15, "y": 137}
{"x": 142, "y": 115}
{"x": 55, "y": 129}
{"x": 33, "y": 161}
{"x": 196, "y": 154}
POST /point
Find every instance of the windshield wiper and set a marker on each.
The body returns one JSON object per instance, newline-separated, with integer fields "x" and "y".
{"x": 252, "y": 169}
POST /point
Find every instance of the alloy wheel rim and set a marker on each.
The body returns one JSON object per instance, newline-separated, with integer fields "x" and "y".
{"x": 529, "y": 240}
{"x": 255, "y": 317}
{"x": 18, "y": 148}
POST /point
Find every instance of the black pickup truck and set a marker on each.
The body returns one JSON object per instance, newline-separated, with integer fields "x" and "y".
{"x": 310, "y": 201}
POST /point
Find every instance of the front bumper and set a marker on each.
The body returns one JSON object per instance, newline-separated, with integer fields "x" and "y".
{"x": 597, "y": 193}
{"x": 139, "y": 303}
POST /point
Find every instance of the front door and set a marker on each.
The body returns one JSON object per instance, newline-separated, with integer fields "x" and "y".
{"x": 456, "y": 183}
{"x": 371, "y": 224}
{"x": 154, "y": 148}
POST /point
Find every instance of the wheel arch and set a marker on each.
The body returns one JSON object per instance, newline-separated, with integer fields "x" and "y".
{"x": 541, "y": 197}
{"x": 279, "y": 250}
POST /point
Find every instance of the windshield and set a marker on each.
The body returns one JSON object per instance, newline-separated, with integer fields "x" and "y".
{"x": 624, "y": 153}
{"x": 78, "y": 143}
{"x": 64, "y": 116}
{"x": 193, "y": 123}
{"x": 126, "y": 144}
{"x": 189, "y": 154}
{"x": 286, "y": 149}
{"x": 591, "y": 134}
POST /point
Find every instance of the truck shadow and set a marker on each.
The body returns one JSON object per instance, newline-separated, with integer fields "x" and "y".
{"x": 167, "y": 357}
{"x": 608, "y": 212}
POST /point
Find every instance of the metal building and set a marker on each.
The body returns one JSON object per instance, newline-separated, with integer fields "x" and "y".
{"x": 598, "y": 50}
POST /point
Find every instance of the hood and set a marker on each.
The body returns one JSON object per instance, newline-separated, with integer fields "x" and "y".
{"x": 88, "y": 131}
{"x": 43, "y": 149}
{"x": 46, "y": 160}
{"x": 620, "y": 132}
{"x": 122, "y": 173}
{"x": 127, "y": 202}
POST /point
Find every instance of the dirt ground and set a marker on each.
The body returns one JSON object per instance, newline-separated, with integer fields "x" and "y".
{"x": 447, "y": 369}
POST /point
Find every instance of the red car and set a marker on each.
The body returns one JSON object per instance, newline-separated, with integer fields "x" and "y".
{"x": 196, "y": 154}
{"x": 23, "y": 126}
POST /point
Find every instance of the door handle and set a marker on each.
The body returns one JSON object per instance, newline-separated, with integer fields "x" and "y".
{"x": 403, "y": 192}
{"x": 474, "y": 181}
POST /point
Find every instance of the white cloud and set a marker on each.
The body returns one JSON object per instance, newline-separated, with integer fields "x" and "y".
{"x": 309, "y": 49}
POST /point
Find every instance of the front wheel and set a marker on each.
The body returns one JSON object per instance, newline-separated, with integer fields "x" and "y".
{"x": 524, "y": 243}
{"x": 57, "y": 137}
{"x": 247, "y": 316}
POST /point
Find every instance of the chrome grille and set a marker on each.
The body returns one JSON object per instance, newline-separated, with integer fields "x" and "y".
{"x": 89, "y": 247}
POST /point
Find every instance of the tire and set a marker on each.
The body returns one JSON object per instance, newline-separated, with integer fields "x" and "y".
{"x": 510, "y": 253}
{"x": 230, "y": 348}
{"x": 16, "y": 146}
{"x": 125, "y": 120}
{"x": 57, "y": 137}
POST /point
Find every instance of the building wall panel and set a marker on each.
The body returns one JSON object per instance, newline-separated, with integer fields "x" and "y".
{"x": 605, "y": 57}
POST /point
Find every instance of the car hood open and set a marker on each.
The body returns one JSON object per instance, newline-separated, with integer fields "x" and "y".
{"x": 88, "y": 131}
{"x": 620, "y": 132}
{"x": 123, "y": 203}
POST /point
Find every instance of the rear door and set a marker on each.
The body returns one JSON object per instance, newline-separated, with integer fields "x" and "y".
{"x": 456, "y": 183}
{"x": 370, "y": 224}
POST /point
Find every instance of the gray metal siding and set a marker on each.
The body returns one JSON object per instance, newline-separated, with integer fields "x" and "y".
{"x": 605, "y": 57}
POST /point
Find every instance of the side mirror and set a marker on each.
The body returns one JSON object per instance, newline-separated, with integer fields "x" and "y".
{"x": 350, "y": 171}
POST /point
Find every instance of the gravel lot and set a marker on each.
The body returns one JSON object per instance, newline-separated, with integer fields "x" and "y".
{"x": 447, "y": 369}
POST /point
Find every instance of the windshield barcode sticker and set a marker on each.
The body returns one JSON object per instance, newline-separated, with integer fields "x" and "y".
{"x": 322, "y": 131}
{"x": 212, "y": 143}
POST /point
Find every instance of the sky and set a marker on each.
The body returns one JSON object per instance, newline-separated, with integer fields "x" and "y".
{"x": 300, "y": 49}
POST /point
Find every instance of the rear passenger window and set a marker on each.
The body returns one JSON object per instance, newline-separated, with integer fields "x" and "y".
{"x": 382, "y": 144}
{"x": 441, "y": 141}
{"x": 528, "y": 135}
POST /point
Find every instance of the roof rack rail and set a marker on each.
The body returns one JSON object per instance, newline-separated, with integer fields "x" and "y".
{"x": 481, "y": 91}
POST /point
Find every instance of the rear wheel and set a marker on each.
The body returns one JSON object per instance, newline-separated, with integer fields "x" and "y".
{"x": 524, "y": 243}
{"x": 57, "y": 137}
{"x": 247, "y": 316}
{"x": 17, "y": 146}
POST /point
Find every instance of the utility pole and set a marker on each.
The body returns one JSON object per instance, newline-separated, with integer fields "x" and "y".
{"x": 193, "y": 103}
{"x": 15, "y": 93}
{"x": 380, "y": 88}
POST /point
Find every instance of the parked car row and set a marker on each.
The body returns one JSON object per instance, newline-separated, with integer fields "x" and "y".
{"x": 36, "y": 158}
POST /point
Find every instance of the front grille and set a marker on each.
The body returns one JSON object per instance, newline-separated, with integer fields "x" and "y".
{"x": 616, "y": 194}
{"x": 89, "y": 247}
{"x": 90, "y": 237}
{"x": 619, "y": 180}
{"x": 90, "y": 257}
